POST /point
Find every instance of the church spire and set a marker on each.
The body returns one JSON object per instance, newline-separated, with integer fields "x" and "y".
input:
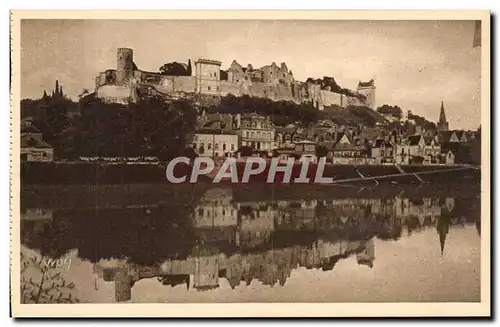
{"x": 442, "y": 123}
{"x": 443, "y": 227}
{"x": 442, "y": 115}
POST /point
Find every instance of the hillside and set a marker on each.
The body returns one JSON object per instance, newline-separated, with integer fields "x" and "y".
{"x": 353, "y": 115}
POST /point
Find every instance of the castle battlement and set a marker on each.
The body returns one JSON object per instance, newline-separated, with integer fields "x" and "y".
{"x": 270, "y": 81}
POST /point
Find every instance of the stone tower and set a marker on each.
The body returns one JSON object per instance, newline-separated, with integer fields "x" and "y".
{"x": 442, "y": 124}
{"x": 368, "y": 90}
{"x": 207, "y": 75}
{"x": 124, "y": 65}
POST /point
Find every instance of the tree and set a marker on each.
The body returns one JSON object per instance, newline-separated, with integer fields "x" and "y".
{"x": 152, "y": 126}
{"x": 321, "y": 151}
{"x": 395, "y": 111}
{"x": 44, "y": 284}
{"x": 189, "y": 69}
{"x": 174, "y": 69}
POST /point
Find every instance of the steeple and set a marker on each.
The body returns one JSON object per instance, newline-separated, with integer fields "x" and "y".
{"x": 442, "y": 115}
{"x": 442, "y": 124}
{"x": 443, "y": 227}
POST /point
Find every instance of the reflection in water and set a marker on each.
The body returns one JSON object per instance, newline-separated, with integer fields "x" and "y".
{"x": 227, "y": 237}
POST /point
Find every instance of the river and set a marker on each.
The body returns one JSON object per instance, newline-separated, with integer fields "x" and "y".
{"x": 348, "y": 244}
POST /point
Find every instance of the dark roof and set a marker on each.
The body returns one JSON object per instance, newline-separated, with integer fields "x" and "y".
{"x": 345, "y": 147}
{"x": 29, "y": 142}
{"x": 414, "y": 139}
{"x": 428, "y": 140}
{"x": 214, "y": 131}
{"x": 29, "y": 129}
{"x": 364, "y": 84}
{"x": 445, "y": 136}
{"x": 450, "y": 146}
{"x": 369, "y": 133}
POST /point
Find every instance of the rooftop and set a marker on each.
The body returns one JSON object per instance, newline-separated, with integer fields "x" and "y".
{"x": 208, "y": 61}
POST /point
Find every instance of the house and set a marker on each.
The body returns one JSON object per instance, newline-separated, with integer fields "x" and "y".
{"x": 255, "y": 131}
{"x": 447, "y": 136}
{"x": 460, "y": 153}
{"x": 432, "y": 150}
{"x": 34, "y": 149}
{"x": 416, "y": 145}
{"x": 306, "y": 150}
{"x": 383, "y": 151}
{"x": 347, "y": 150}
{"x": 342, "y": 138}
{"x": 462, "y": 136}
{"x": 215, "y": 143}
{"x": 449, "y": 157}
{"x": 29, "y": 129}
{"x": 284, "y": 137}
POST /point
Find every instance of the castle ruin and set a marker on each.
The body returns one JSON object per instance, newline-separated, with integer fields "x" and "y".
{"x": 271, "y": 81}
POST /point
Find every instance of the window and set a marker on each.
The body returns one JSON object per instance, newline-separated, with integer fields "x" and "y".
{"x": 253, "y": 134}
{"x": 232, "y": 147}
{"x": 247, "y": 134}
{"x": 224, "y": 146}
{"x": 216, "y": 147}
{"x": 217, "y": 88}
{"x": 209, "y": 146}
{"x": 194, "y": 145}
{"x": 209, "y": 87}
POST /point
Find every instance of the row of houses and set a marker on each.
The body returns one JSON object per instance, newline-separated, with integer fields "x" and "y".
{"x": 226, "y": 135}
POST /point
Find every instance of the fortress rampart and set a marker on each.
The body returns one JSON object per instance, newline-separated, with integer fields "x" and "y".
{"x": 272, "y": 82}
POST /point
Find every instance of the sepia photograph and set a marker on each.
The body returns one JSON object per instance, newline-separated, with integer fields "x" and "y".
{"x": 250, "y": 163}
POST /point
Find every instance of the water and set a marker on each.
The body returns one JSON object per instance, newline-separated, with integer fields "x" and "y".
{"x": 296, "y": 244}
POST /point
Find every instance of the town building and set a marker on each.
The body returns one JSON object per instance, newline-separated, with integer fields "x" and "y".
{"x": 255, "y": 131}
{"x": 306, "y": 150}
{"x": 34, "y": 149}
{"x": 215, "y": 143}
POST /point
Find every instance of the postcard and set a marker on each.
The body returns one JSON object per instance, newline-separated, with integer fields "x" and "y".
{"x": 250, "y": 164}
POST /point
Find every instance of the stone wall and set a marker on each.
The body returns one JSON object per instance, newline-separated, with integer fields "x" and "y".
{"x": 114, "y": 93}
{"x": 331, "y": 98}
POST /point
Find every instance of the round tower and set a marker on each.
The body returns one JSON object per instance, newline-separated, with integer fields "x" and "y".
{"x": 124, "y": 65}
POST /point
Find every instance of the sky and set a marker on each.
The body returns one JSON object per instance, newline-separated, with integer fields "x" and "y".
{"x": 415, "y": 64}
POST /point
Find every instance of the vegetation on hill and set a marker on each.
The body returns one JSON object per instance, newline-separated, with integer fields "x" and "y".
{"x": 176, "y": 69}
{"x": 353, "y": 115}
{"x": 282, "y": 113}
{"x": 395, "y": 111}
{"x": 152, "y": 126}
{"x": 149, "y": 127}
{"x": 421, "y": 121}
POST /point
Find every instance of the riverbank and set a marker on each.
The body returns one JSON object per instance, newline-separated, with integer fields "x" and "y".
{"x": 60, "y": 173}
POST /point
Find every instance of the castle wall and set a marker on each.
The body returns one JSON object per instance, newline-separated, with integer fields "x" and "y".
{"x": 331, "y": 98}
{"x": 230, "y": 88}
{"x": 185, "y": 84}
{"x": 114, "y": 93}
{"x": 315, "y": 98}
